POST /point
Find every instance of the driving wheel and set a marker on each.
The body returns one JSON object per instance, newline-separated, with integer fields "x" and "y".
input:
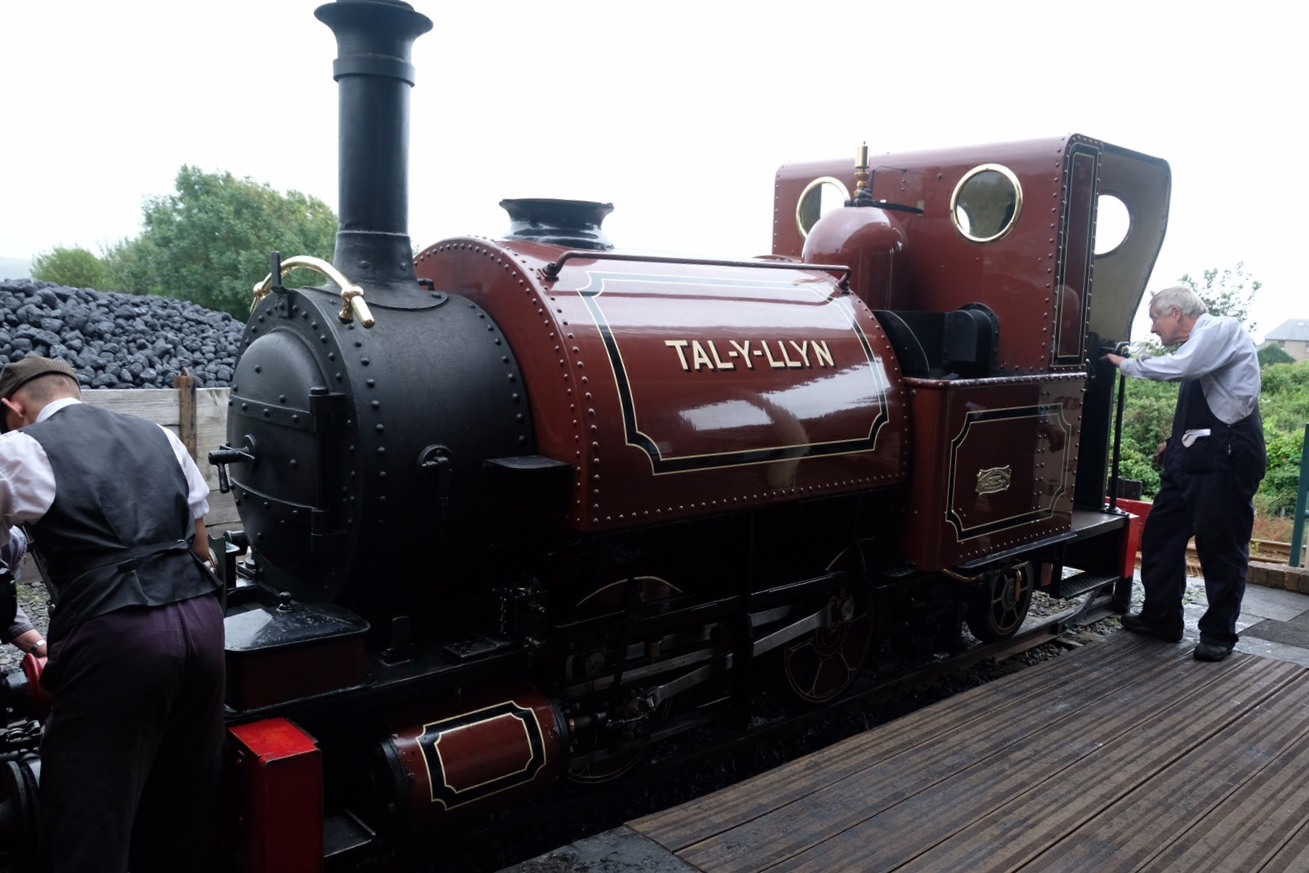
{"x": 821, "y": 665}
{"x": 601, "y": 763}
{"x": 1002, "y": 608}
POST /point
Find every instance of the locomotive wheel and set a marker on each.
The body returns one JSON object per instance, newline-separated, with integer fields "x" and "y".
{"x": 651, "y": 590}
{"x": 602, "y": 766}
{"x": 820, "y": 666}
{"x": 18, "y": 812}
{"x": 999, "y": 613}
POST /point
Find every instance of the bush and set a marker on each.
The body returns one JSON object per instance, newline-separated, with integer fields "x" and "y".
{"x": 1284, "y": 405}
{"x": 75, "y": 268}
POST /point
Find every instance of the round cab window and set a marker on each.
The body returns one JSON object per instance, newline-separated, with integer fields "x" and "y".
{"x": 987, "y": 203}
{"x": 820, "y": 197}
{"x": 1112, "y": 224}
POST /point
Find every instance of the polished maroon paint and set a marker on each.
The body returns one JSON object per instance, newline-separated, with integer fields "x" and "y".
{"x": 487, "y": 748}
{"x": 1027, "y": 277}
{"x": 994, "y": 459}
{"x": 994, "y": 465}
{"x": 681, "y": 389}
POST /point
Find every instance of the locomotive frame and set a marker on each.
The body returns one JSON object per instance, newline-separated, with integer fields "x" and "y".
{"x": 517, "y": 508}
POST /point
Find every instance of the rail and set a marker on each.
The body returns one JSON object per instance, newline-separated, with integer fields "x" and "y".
{"x": 1268, "y": 551}
{"x": 1273, "y": 551}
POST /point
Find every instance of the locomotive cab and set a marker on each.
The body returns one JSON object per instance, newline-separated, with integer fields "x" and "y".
{"x": 1008, "y": 396}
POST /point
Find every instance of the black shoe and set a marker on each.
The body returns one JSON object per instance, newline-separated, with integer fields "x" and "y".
{"x": 1211, "y": 652}
{"x": 1138, "y": 625}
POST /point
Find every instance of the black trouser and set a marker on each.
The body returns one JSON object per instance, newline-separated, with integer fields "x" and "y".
{"x": 131, "y": 759}
{"x": 1215, "y": 507}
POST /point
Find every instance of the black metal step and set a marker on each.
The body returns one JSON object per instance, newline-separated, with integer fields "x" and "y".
{"x": 1081, "y": 583}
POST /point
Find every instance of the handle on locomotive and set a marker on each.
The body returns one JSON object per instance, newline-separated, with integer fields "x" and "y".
{"x": 1119, "y": 349}
{"x": 224, "y": 455}
{"x": 435, "y": 461}
{"x": 551, "y": 270}
{"x": 352, "y": 296}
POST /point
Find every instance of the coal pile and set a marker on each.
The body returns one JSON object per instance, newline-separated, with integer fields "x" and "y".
{"x": 117, "y": 340}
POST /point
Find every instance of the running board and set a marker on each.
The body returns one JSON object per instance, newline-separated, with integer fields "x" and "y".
{"x": 1081, "y": 583}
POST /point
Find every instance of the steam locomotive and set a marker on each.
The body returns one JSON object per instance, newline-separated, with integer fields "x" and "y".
{"x": 516, "y": 508}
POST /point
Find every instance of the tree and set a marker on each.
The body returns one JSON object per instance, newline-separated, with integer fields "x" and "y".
{"x": 1284, "y": 406}
{"x": 209, "y": 243}
{"x": 1227, "y": 293}
{"x": 1273, "y": 354}
{"x": 1224, "y": 292}
{"x": 1147, "y": 420}
{"x": 74, "y": 267}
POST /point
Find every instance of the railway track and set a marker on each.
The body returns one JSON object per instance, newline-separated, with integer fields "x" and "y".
{"x": 1267, "y": 551}
{"x": 1272, "y": 551}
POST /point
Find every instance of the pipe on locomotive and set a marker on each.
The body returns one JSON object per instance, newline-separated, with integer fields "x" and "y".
{"x": 374, "y": 41}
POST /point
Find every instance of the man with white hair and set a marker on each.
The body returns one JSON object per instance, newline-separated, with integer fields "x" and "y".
{"x": 1212, "y": 465}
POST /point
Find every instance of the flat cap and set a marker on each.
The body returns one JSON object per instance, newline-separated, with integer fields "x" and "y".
{"x": 19, "y": 373}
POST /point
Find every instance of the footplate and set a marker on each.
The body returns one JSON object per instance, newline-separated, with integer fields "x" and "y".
{"x": 1081, "y": 583}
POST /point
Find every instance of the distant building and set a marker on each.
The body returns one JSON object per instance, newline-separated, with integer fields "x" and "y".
{"x": 1293, "y": 338}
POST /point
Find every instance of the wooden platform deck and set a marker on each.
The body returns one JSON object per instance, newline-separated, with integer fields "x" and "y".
{"x": 1126, "y": 755}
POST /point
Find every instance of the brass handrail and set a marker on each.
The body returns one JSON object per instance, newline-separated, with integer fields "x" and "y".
{"x": 352, "y": 296}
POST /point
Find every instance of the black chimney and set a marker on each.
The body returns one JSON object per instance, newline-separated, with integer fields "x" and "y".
{"x": 374, "y": 39}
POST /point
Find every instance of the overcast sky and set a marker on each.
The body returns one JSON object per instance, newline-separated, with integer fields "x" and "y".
{"x": 678, "y": 113}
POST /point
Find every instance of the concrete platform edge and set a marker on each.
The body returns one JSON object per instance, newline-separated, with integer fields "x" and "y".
{"x": 620, "y": 850}
{"x": 1279, "y": 576}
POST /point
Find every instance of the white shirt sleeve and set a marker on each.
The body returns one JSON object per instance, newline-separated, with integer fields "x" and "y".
{"x": 1209, "y": 348}
{"x": 27, "y": 482}
{"x": 1221, "y": 355}
{"x": 197, "y": 488}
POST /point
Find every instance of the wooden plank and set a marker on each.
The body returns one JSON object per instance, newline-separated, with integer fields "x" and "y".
{"x": 210, "y": 430}
{"x": 899, "y": 809}
{"x": 1258, "y": 826}
{"x": 154, "y": 404}
{"x": 1078, "y": 678}
{"x": 185, "y": 386}
{"x": 1290, "y": 857}
{"x": 1077, "y": 774}
{"x": 222, "y": 513}
{"x": 1118, "y": 806}
{"x": 902, "y": 806}
{"x": 163, "y": 406}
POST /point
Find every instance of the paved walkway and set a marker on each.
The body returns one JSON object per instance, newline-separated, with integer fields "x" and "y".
{"x": 1274, "y": 622}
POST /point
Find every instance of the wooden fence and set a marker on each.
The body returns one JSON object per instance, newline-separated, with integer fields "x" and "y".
{"x": 199, "y": 418}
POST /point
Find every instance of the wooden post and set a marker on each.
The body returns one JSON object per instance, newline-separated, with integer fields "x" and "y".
{"x": 185, "y": 385}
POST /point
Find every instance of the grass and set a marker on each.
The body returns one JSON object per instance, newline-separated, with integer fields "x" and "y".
{"x": 1272, "y": 528}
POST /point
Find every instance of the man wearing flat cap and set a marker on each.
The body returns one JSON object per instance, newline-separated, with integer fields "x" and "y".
{"x": 131, "y": 753}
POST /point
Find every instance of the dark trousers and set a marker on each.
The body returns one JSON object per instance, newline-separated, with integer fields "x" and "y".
{"x": 1216, "y": 508}
{"x": 131, "y": 758}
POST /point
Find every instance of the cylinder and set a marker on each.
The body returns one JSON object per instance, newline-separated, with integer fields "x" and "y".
{"x": 478, "y": 758}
